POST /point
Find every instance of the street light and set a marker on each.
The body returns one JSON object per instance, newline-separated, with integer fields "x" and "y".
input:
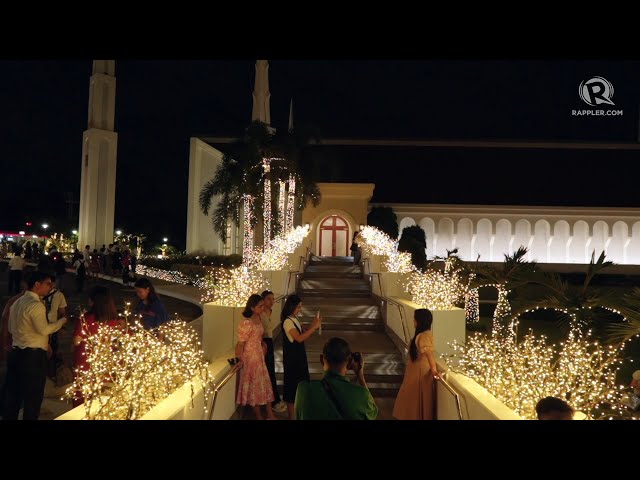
{"x": 75, "y": 232}
{"x": 165, "y": 239}
{"x": 118, "y": 232}
{"x": 45, "y": 225}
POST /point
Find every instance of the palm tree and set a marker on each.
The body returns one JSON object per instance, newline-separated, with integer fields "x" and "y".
{"x": 238, "y": 175}
{"x": 514, "y": 273}
{"x": 241, "y": 174}
{"x": 630, "y": 326}
{"x": 579, "y": 306}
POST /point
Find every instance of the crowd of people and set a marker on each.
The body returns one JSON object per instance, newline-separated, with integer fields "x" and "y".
{"x": 38, "y": 310}
{"x": 30, "y": 324}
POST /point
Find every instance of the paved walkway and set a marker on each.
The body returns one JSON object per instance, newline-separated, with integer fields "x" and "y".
{"x": 52, "y": 406}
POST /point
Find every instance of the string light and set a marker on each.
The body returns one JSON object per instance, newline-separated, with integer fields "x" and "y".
{"x": 472, "y": 305}
{"x": 173, "y": 276}
{"x": 130, "y": 370}
{"x": 436, "y": 290}
{"x": 291, "y": 203}
{"x": 282, "y": 195}
{"x": 502, "y": 313}
{"x": 376, "y": 242}
{"x": 232, "y": 288}
{"x": 266, "y": 168}
{"x": 275, "y": 255}
{"x": 519, "y": 374}
{"x": 247, "y": 244}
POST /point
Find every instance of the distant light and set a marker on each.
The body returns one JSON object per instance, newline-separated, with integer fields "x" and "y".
{"x": 21, "y": 232}
{"x": 75, "y": 232}
{"x": 28, "y": 224}
{"x": 118, "y": 232}
{"x": 1, "y": 236}
{"x": 34, "y": 236}
{"x": 160, "y": 256}
{"x": 45, "y": 225}
{"x": 10, "y": 239}
{"x": 165, "y": 239}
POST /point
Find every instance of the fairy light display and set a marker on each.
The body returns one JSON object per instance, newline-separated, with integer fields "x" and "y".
{"x": 501, "y": 315}
{"x": 266, "y": 168}
{"x": 282, "y": 196}
{"x": 399, "y": 262}
{"x": 376, "y": 242}
{"x": 173, "y": 276}
{"x": 472, "y": 305}
{"x": 232, "y": 288}
{"x": 578, "y": 370}
{"x": 436, "y": 290}
{"x": 274, "y": 256}
{"x": 130, "y": 370}
{"x": 247, "y": 244}
{"x": 291, "y": 202}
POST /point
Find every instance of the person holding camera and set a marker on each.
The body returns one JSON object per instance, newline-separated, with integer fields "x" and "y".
{"x": 415, "y": 400}
{"x": 335, "y": 397}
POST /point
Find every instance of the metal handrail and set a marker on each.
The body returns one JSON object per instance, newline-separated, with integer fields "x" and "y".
{"x": 379, "y": 282}
{"x": 234, "y": 369}
{"x": 297, "y": 272}
{"x": 405, "y": 329}
{"x": 454, "y": 393}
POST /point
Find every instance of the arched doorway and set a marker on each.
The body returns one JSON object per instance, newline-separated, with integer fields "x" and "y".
{"x": 334, "y": 237}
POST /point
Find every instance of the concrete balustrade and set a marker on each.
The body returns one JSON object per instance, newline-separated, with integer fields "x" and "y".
{"x": 564, "y": 235}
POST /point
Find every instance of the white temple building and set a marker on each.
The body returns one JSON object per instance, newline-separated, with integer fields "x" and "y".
{"x": 556, "y": 235}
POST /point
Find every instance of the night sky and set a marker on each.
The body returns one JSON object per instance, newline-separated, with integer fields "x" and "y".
{"x": 160, "y": 104}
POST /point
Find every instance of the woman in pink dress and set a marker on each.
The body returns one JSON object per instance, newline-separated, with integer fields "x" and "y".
{"x": 103, "y": 312}
{"x": 255, "y": 385}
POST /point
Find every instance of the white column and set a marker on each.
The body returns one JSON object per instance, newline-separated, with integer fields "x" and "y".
{"x": 99, "y": 152}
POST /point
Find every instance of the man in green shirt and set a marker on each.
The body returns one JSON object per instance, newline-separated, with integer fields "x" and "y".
{"x": 334, "y": 397}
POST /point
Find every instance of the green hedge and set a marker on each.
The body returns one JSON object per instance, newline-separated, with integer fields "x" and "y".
{"x": 228, "y": 261}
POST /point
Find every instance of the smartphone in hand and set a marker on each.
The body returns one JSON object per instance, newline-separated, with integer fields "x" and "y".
{"x": 320, "y": 327}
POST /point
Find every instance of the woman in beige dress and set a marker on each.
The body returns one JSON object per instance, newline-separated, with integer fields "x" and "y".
{"x": 416, "y": 398}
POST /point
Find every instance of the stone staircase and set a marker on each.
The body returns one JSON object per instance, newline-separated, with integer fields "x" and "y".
{"x": 336, "y": 288}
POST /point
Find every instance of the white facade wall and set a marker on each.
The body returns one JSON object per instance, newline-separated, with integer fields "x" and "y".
{"x": 552, "y": 234}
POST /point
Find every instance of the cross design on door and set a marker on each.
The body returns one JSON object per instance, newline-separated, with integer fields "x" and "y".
{"x": 334, "y": 229}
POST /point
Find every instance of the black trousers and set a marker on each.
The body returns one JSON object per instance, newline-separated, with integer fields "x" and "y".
{"x": 14, "y": 281}
{"x": 270, "y": 360}
{"x": 26, "y": 377}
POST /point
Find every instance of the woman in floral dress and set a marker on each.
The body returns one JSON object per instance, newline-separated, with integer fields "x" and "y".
{"x": 255, "y": 384}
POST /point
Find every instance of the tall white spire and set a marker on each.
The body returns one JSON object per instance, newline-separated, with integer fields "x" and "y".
{"x": 291, "y": 116}
{"x": 99, "y": 148}
{"x": 261, "y": 95}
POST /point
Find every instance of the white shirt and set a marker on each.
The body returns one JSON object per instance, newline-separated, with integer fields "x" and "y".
{"x": 17, "y": 263}
{"x": 289, "y": 323}
{"x": 28, "y": 322}
{"x": 58, "y": 301}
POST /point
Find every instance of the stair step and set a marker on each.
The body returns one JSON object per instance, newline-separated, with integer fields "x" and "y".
{"x": 322, "y": 275}
{"x": 334, "y": 283}
{"x": 372, "y": 360}
{"x": 336, "y": 288}
{"x": 337, "y": 294}
{"x": 338, "y": 304}
{"x": 344, "y": 261}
